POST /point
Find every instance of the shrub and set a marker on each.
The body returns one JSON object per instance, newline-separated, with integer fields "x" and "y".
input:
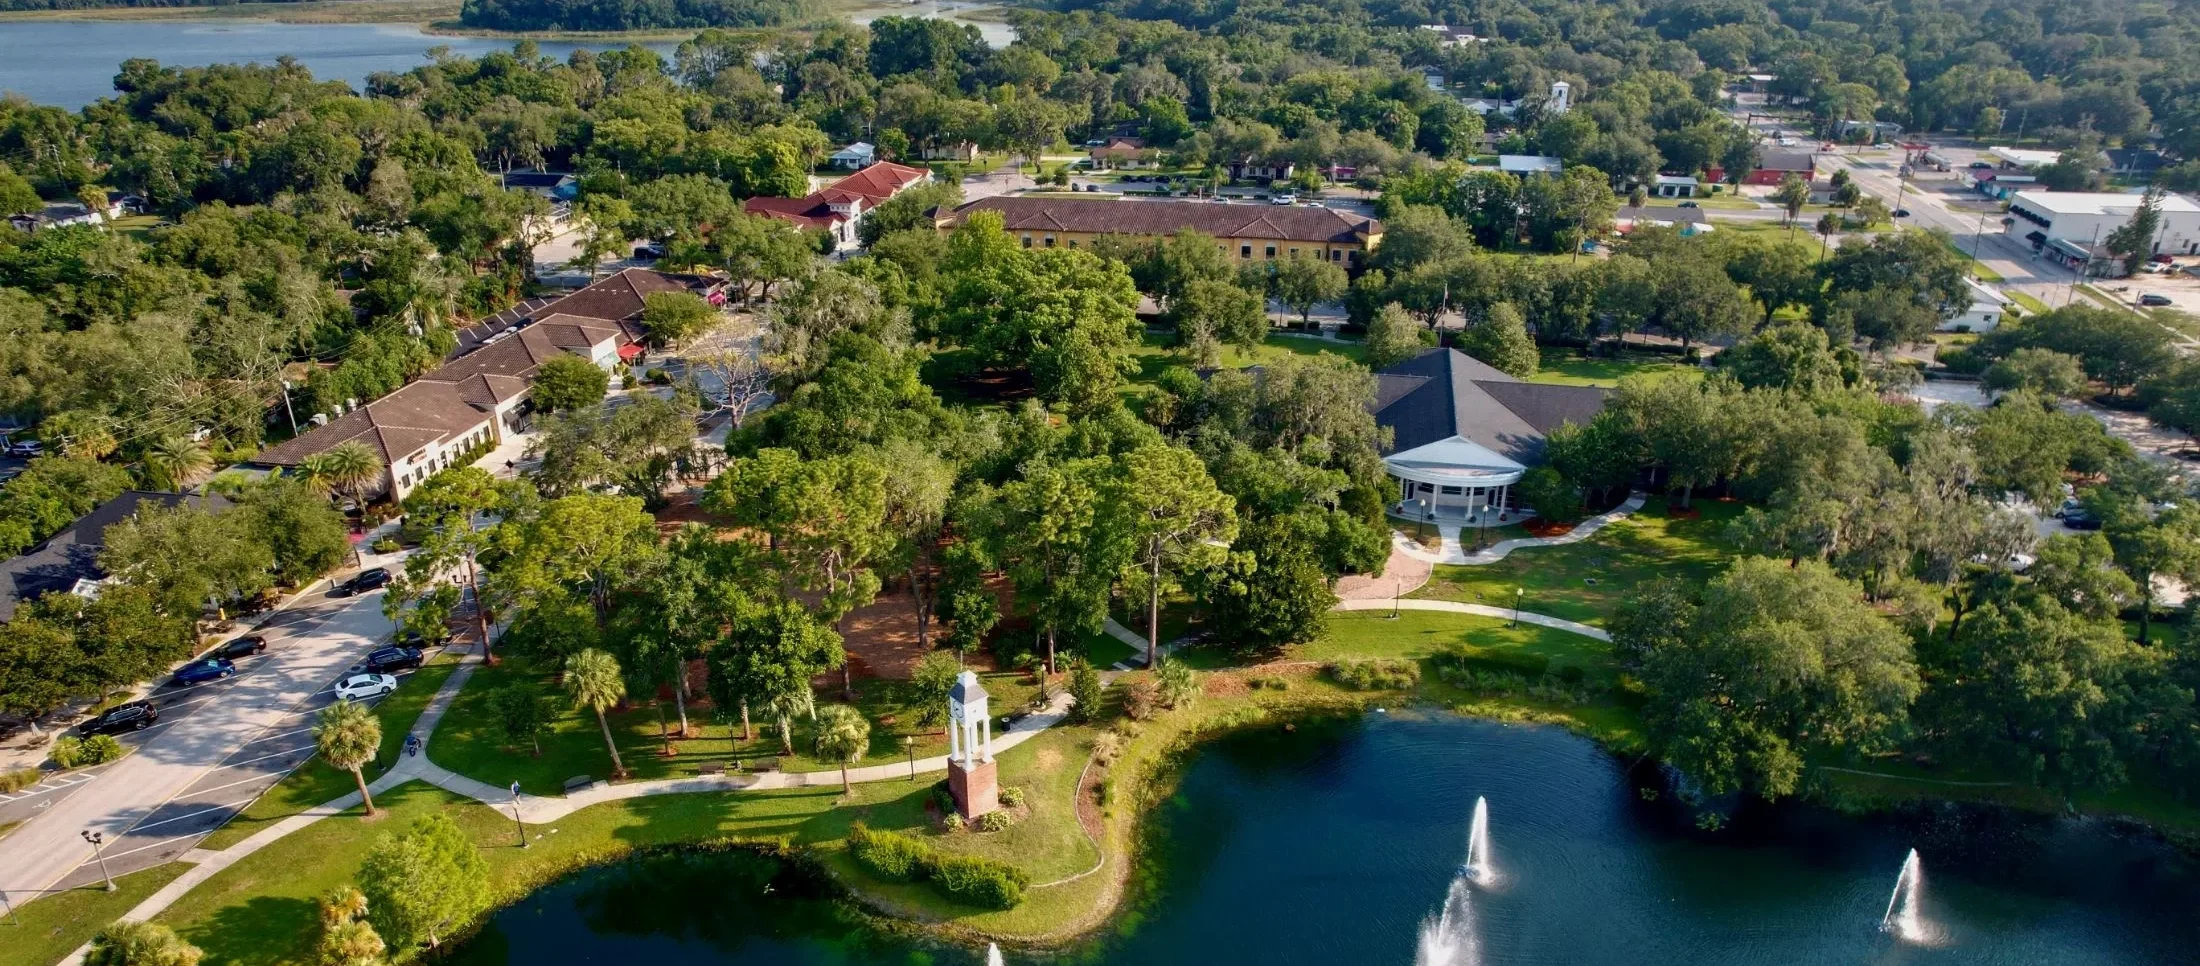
{"x": 68, "y": 751}
{"x": 659, "y": 377}
{"x": 101, "y": 749}
{"x": 1378, "y": 674}
{"x": 387, "y": 545}
{"x": 995, "y": 821}
{"x": 1084, "y": 690}
{"x": 1107, "y": 747}
{"x": 888, "y": 855}
{"x": 979, "y": 882}
{"x": 955, "y": 822}
{"x": 1179, "y": 685}
{"x": 19, "y": 779}
{"x": 1141, "y": 700}
{"x": 1012, "y": 795}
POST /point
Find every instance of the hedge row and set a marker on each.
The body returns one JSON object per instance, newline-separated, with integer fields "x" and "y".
{"x": 963, "y": 878}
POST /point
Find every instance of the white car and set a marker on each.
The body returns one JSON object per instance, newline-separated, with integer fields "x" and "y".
{"x": 360, "y": 687}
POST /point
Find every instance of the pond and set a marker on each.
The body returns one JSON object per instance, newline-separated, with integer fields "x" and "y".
{"x": 1347, "y": 843}
{"x": 71, "y": 63}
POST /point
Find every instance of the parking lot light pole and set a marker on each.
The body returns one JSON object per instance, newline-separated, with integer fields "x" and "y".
{"x": 13, "y": 916}
{"x": 517, "y": 825}
{"x": 96, "y": 838}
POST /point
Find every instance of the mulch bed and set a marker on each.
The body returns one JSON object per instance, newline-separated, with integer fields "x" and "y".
{"x": 1540, "y": 527}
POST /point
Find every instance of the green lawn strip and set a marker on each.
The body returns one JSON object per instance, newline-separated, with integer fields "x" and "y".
{"x": 260, "y": 910}
{"x": 1568, "y": 367}
{"x": 1418, "y": 634}
{"x": 468, "y": 740}
{"x": 316, "y": 782}
{"x": 1645, "y": 546}
{"x": 54, "y": 925}
{"x": 2031, "y": 303}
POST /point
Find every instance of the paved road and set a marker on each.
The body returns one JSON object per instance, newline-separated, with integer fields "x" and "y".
{"x": 217, "y": 746}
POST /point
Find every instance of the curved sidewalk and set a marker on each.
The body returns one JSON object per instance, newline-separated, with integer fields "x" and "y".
{"x": 1479, "y": 610}
{"x": 1449, "y": 552}
{"x": 538, "y": 809}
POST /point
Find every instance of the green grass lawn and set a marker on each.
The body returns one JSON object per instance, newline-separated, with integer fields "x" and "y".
{"x": 1706, "y": 201}
{"x": 52, "y": 926}
{"x": 2031, "y": 304}
{"x": 469, "y": 742}
{"x": 1643, "y": 547}
{"x": 1568, "y": 367}
{"x": 260, "y": 911}
{"x": 1418, "y": 634}
{"x": 316, "y": 781}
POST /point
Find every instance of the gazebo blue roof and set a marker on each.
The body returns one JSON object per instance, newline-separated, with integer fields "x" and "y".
{"x": 967, "y": 690}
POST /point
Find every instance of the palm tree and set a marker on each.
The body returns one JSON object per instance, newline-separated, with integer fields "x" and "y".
{"x": 348, "y": 736}
{"x": 783, "y": 709}
{"x": 351, "y": 467}
{"x": 175, "y": 461}
{"x": 1828, "y": 223}
{"x": 593, "y": 678}
{"x": 124, "y": 943}
{"x": 315, "y": 472}
{"x": 843, "y": 735}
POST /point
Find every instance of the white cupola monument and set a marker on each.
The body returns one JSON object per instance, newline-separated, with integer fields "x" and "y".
{"x": 972, "y": 777}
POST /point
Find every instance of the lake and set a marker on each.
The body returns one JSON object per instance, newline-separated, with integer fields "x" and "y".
{"x": 1344, "y": 844}
{"x": 72, "y": 63}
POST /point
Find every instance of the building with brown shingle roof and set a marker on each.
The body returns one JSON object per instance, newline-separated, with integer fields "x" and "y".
{"x": 479, "y": 396}
{"x": 1245, "y": 232}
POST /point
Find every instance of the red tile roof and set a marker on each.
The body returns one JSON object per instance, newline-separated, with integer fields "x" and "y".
{"x": 864, "y": 189}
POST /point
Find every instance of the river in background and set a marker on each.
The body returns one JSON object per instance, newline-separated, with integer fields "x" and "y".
{"x": 71, "y": 63}
{"x": 1341, "y": 845}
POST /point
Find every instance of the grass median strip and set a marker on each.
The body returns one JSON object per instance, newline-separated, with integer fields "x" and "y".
{"x": 55, "y": 924}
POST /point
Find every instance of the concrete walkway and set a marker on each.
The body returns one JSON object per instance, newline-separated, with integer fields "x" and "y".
{"x": 538, "y": 809}
{"x": 1481, "y": 610}
{"x": 1449, "y": 551}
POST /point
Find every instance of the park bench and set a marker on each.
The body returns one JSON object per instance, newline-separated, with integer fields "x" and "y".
{"x": 578, "y": 782}
{"x": 711, "y": 768}
{"x": 764, "y": 764}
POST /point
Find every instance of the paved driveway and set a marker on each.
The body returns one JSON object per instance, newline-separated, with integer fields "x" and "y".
{"x": 216, "y": 747}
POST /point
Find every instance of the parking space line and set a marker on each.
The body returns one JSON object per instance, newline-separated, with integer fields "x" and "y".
{"x": 241, "y": 781}
{"x": 279, "y": 754}
{"x": 285, "y": 734}
{"x": 117, "y": 855}
{"x": 179, "y": 818}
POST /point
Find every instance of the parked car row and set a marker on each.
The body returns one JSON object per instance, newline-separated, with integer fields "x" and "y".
{"x": 372, "y": 677}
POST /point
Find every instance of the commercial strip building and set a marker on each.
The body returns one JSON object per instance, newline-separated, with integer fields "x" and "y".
{"x": 1244, "y": 232}
{"x": 1463, "y": 433}
{"x": 479, "y": 397}
{"x": 839, "y": 207}
{"x": 2069, "y": 226}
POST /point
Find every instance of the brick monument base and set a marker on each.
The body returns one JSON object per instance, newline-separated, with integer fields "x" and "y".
{"x": 977, "y": 789}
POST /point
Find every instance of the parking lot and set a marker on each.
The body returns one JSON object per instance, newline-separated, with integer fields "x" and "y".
{"x": 216, "y": 747}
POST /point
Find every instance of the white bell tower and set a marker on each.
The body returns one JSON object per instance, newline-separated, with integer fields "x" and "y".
{"x": 972, "y": 777}
{"x": 1562, "y": 97}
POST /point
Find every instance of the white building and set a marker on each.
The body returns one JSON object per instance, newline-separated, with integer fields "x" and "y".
{"x": 1462, "y": 433}
{"x": 2025, "y": 158}
{"x": 1562, "y": 97}
{"x": 855, "y": 157}
{"x": 1450, "y": 36}
{"x": 1987, "y": 308}
{"x": 1527, "y": 164}
{"x": 2086, "y": 218}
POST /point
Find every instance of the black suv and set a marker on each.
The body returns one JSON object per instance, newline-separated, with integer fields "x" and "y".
{"x": 392, "y": 659}
{"x": 122, "y": 717}
{"x": 245, "y": 646}
{"x": 367, "y": 581}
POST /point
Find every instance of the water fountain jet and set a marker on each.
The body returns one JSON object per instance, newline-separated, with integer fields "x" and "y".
{"x": 1447, "y": 938}
{"x": 1478, "y": 844}
{"x": 993, "y": 955}
{"x": 1902, "y": 919}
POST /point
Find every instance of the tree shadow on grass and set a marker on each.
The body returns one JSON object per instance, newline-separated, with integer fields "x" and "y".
{"x": 255, "y": 932}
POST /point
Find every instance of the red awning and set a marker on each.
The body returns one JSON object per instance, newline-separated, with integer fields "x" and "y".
{"x": 630, "y": 351}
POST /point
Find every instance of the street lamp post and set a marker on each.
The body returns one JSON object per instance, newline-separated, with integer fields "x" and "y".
{"x": 96, "y": 839}
{"x": 13, "y": 916}
{"x": 909, "y": 747}
{"x": 1517, "y": 591}
{"x": 517, "y": 825}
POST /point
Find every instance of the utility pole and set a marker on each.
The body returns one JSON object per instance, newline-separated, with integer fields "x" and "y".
{"x": 292, "y": 413}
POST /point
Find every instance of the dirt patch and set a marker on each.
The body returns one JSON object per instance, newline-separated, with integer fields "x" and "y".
{"x": 1049, "y": 761}
{"x": 1225, "y": 684}
{"x": 1682, "y": 513}
{"x": 1402, "y": 574}
{"x": 881, "y": 637}
{"x": 1540, "y": 527}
